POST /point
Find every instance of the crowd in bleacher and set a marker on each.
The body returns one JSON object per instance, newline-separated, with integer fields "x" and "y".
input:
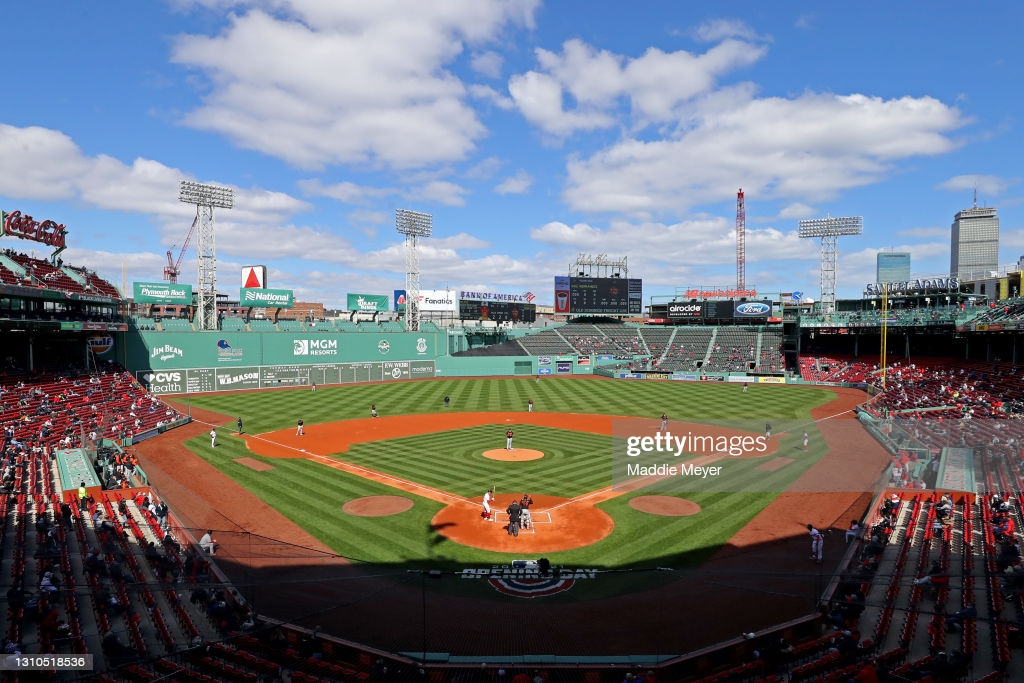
{"x": 54, "y": 276}
{"x": 74, "y": 410}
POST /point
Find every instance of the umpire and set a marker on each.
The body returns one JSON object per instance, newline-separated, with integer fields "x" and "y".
{"x": 515, "y": 513}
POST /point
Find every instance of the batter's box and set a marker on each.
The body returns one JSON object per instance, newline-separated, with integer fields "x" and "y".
{"x": 499, "y": 516}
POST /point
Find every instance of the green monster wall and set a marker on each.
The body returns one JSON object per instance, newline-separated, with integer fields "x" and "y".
{"x": 195, "y": 362}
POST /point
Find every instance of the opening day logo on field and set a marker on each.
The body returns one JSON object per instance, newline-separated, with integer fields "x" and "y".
{"x": 529, "y": 582}
{"x": 165, "y": 352}
{"x": 315, "y": 347}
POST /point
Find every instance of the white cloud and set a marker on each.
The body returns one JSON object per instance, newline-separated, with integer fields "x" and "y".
{"x": 40, "y": 163}
{"x": 656, "y": 84}
{"x": 720, "y": 29}
{"x": 345, "y": 191}
{"x": 441, "y": 191}
{"x": 805, "y": 21}
{"x": 487, "y": 63}
{"x": 515, "y": 184}
{"x": 486, "y": 93}
{"x": 811, "y": 146}
{"x": 990, "y": 185}
{"x": 709, "y": 241}
{"x": 317, "y": 84}
{"x": 539, "y": 98}
{"x": 485, "y": 169}
{"x": 797, "y": 210}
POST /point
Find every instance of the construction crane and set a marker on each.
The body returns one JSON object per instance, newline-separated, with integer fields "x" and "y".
{"x": 173, "y": 268}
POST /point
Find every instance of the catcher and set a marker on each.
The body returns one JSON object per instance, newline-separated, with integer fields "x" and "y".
{"x": 525, "y": 521}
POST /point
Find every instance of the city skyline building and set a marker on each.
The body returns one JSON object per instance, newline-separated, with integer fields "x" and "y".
{"x": 892, "y": 266}
{"x": 974, "y": 243}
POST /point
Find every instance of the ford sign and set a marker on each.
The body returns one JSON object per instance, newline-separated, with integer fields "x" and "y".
{"x": 753, "y": 309}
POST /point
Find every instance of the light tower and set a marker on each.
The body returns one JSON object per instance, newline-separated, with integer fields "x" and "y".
{"x": 830, "y": 230}
{"x": 741, "y": 242}
{"x": 413, "y": 225}
{"x": 205, "y": 197}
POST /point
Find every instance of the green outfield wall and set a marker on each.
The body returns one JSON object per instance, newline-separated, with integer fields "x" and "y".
{"x": 198, "y": 362}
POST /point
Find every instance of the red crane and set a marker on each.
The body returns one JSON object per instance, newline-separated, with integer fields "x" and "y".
{"x": 173, "y": 268}
{"x": 741, "y": 242}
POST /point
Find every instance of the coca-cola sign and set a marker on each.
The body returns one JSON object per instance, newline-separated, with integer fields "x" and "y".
{"x": 48, "y": 232}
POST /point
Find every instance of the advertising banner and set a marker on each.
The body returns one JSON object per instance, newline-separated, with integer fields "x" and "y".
{"x": 266, "y": 298}
{"x": 564, "y": 367}
{"x": 752, "y": 309}
{"x": 399, "y": 299}
{"x": 685, "y": 309}
{"x": 561, "y": 294}
{"x": 523, "y": 298}
{"x": 367, "y": 302}
{"x": 254, "y": 276}
{"x": 162, "y": 293}
{"x": 439, "y": 301}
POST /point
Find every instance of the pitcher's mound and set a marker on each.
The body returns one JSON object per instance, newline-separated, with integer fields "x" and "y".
{"x": 668, "y": 506}
{"x": 377, "y": 506}
{"x": 514, "y": 455}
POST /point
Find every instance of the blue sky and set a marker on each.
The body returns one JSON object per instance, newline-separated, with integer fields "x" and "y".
{"x": 531, "y": 131}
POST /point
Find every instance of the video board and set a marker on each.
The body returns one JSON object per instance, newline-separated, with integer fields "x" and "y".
{"x": 598, "y": 295}
{"x": 498, "y": 311}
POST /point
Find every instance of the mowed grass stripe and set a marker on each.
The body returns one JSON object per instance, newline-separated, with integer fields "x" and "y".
{"x": 271, "y": 410}
{"x": 575, "y": 463}
{"x": 312, "y": 494}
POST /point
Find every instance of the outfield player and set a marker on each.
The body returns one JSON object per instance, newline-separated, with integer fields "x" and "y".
{"x": 817, "y": 543}
{"x": 508, "y": 439}
{"x": 373, "y": 410}
{"x": 299, "y": 431}
{"x": 488, "y": 499}
{"x": 529, "y": 406}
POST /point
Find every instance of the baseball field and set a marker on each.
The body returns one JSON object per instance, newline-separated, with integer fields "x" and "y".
{"x": 403, "y": 490}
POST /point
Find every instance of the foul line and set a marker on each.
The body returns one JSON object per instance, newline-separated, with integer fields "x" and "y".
{"x": 365, "y": 472}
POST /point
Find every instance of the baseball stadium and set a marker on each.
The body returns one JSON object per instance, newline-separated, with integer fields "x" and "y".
{"x": 722, "y": 485}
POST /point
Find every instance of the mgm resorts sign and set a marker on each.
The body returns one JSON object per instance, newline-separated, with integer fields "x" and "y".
{"x": 941, "y": 284}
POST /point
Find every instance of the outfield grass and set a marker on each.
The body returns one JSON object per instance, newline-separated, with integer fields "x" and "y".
{"x": 575, "y": 463}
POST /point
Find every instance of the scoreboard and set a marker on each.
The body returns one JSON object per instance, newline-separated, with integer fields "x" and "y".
{"x": 498, "y": 311}
{"x": 599, "y": 295}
